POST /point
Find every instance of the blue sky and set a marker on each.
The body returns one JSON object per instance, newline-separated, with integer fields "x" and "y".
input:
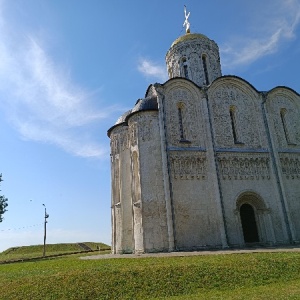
{"x": 68, "y": 69}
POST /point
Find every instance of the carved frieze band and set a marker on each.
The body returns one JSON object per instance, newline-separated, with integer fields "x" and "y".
{"x": 188, "y": 165}
{"x": 244, "y": 166}
{"x": 290, "y": 165}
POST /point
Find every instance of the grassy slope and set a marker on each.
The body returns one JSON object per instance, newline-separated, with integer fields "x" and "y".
{"x": 235, "y": 276}
{"x": 51, "y": 249}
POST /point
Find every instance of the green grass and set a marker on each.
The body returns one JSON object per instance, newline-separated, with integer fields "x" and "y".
{"x": 24, "y": 252}
{"x": 231, "y": 276}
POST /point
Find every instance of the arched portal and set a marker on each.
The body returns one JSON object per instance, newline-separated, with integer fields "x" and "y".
{"x": 253, "y": 219}
{"x": 249, "y": 224}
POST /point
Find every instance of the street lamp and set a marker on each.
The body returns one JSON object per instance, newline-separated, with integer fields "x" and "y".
{"x": 45, "y": 230}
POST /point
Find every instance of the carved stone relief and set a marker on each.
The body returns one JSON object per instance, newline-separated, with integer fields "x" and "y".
{"x": 287, "y": 130}
{"x": 119, "y": 140}
{"x": 141, "y": 127}
{"x": 248, "y": 118}
{"x": 133, "y": 133}
{"x": 184, "y": 119}
{"x": 146, "y": 128}
{"x": 244, "y": 166}
{"x": 193, "y": 50}
{"x": 290, "y": 165}
{"x": 196, "y": 68}
{"x": 114, "y": 144}
{"x": 188, "y": 165}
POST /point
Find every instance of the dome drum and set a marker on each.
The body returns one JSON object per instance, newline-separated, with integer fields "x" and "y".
{"x": 195, "y": 57}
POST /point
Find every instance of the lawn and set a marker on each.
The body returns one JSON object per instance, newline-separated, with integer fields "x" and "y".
{"x": 230, "y": 276}
{"x": 25, "y": 252}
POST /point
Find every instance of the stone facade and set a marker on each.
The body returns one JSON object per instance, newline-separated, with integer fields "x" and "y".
{"x": 205, "y": 161}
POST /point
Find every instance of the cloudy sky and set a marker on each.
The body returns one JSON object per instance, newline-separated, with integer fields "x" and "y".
{"x": 68, "y": 69}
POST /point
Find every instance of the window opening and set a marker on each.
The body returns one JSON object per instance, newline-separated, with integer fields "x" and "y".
{"x": 182, "y": 138}
{"x": 185, "y": 68}
{"x": 285, "y": 127}
{"x": 232, "y": 113}
{"x": 204, "y": 62}
{"x": 186, "y": 73}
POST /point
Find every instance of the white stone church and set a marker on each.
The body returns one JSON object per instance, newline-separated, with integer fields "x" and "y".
{"x": 205, "y": 161}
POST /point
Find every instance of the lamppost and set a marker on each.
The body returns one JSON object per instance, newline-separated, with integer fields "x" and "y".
{"x": 45, "y": 230}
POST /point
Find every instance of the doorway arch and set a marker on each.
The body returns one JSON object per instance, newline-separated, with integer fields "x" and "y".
{"x": 253, "y": 217}
{"x": 249, "y": 224}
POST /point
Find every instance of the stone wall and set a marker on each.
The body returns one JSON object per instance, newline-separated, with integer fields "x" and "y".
{"x": 283, "y": 111}
{"x": 151, "y": 205}
{"x": 196, "y": 214}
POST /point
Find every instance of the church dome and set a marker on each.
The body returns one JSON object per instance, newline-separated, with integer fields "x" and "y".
{"x": 149, "y": 103}
{"x": 189, "y": 36}
{"x": 122, "y": 119}
{"x": 196, "y": 57}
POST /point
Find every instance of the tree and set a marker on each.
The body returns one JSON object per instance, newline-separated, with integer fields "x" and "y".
{"x": 3, "y": 203}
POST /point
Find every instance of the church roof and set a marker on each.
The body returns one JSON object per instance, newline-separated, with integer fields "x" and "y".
{"x": 123, "y": 117}
{"x": 146, "y": 104}
{"x": 189, "y": 36}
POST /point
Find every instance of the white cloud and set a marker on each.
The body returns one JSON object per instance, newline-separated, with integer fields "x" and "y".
{"x": 278, "y": 28}
{"x": 41, "y": 100}
{"x": 153, "y": 70}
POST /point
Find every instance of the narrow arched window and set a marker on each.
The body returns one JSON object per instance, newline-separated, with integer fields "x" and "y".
{"x": 232, "y": 113}
{"x": 185, "y": 68}
{"x": 180, "y": 122}
{"x": 180, "y": 107}
{"x": 285, "y": 127}
{"x": 204, "y": 63}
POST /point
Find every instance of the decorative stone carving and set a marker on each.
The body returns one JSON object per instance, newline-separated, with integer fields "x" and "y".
{"x": 244, "y": 166}
{"x": 146, "y": 128}
{"x": 114, "y": 144}
{"x": 287, "y": 125}
{"x": 188, "y": 165}
{"x": 191, "y": 47}
{"x": 119, "y": 140}
{"x": 184, "y": 119}
{"x": 124, "y": 142}
{"x": 248, "y": 118}
{"x": 133, "y": 133}
{"x": 290, "y": 165}
{"x": 141, "y": 127}
{"x": 196, "y": 68}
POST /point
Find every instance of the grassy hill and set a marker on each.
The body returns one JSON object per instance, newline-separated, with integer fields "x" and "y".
{"x": 25, "y": 252}
{"x": 230, "y": 276}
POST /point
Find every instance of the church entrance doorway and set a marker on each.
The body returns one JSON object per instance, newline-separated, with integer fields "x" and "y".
{"x": 249, "y": 223}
